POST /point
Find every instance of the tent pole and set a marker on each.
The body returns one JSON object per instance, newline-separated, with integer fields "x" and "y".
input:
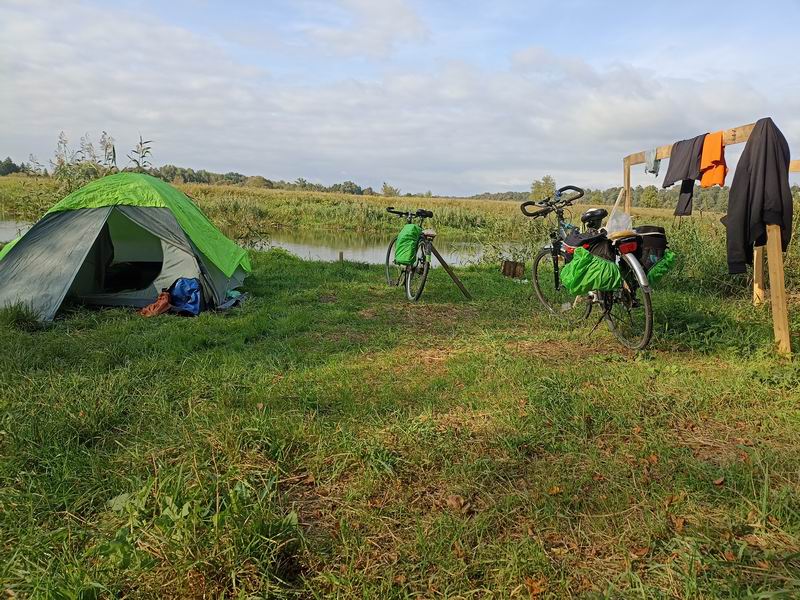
{"x": 777, "y": 290}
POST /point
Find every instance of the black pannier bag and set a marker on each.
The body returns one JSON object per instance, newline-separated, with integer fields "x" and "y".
{"x": 595, "y": 242}
{"x": 653, "y": 245}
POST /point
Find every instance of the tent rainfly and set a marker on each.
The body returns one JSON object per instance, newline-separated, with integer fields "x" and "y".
{"x": 118, "y": 241}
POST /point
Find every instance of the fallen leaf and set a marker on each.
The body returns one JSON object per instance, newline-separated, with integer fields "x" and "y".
{"x": 598, "y": 477}
{"x": 729, "y": 556}
{"x": 260, "y": 406}
{"x": 719, "y": 481}
{"x": 637, "y": 430}
{"x": 754, "y": 541}
{"x": 308, "y": 479}
{"x": 762, "y": 564}
{"x": 458, "y": 504}
{"x": 652, "y": 459}
{"x": 773, "y": 520}
{"x": 400, "y": 579}
{"x": 458, "y": 550}
{"x": 455, "y": 502}
{"x": 536, "y": 586}
{"x": 640, "y": 552}
{"x": 677, "y": 523}
{"x": 583, "y": 584}
{"x": 555, "y": 490}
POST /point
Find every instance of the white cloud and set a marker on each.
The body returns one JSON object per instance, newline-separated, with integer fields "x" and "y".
{"x": 373, "y": 28}
{"x": 451, "y": 127}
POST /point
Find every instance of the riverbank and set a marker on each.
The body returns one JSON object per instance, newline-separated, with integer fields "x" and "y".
{"x": 254, "y": 216}
{"x": 331, "y": 439}
{"x": 235, "y": 208}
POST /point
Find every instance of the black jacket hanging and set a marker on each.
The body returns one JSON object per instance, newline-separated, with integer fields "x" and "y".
{"x": 760, "y": 195}
{"x": 684, "y": 166}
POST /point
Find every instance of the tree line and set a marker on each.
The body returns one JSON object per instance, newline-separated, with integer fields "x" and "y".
{"x": 713, "y": 199}
{"x": 74, "y": 167}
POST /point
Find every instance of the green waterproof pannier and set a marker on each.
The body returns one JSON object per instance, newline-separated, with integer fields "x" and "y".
{"x": 405, "y": 249}
{"x": 587, "y": 272}
{"x": 658, "y": 270}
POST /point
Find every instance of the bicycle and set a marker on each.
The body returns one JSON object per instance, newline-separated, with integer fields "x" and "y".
{"x": 415, "y": 275}
{"x": 628, "y": 311}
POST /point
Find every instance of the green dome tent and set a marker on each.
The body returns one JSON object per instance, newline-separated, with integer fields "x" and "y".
{"x": 118, "y": 241}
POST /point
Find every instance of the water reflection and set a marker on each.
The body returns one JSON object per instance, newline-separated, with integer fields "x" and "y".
{"x": 326, "y": 245}
{"x": 11, "y": 230}
{"x": 362, "y": 247}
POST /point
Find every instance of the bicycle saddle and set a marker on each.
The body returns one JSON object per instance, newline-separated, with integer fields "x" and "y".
{"x": 594, "y": 217}
{"x": 429, "y": 233}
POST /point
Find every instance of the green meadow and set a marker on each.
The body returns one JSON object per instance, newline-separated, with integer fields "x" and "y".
{"x": 329, "y": 439}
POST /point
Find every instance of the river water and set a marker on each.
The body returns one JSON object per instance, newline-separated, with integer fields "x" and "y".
{"x": 362, "y": 247}
{"x": 10, "y": 230}
{"x": 326, "y": 245}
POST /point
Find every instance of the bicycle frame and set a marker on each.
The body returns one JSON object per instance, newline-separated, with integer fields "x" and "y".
{"x": 556, "y": 238}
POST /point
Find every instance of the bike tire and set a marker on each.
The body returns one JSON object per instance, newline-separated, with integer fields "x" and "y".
{"x": 638, "y": 341}
{"x": 417, "y": 274}
{"x": 555, "y": 300}
{"x": 393, "y": 271}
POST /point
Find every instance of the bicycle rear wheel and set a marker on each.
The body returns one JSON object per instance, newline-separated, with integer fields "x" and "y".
{"x": 394, "y": 272}
{"x": 629, "y": 311}
{"x": 554, "y": 297}
{"x": 417, "y": 274}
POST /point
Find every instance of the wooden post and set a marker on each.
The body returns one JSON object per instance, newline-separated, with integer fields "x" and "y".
{"x": 777, "y": 290}
{"x": 512, "y": 268}
{"x": 759, "y": 291}
{"x": 626, "y": 173}
{"x": 341, "y": 256}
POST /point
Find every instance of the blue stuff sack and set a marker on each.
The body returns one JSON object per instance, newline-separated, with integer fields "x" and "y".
{"x": 185, "y": 296}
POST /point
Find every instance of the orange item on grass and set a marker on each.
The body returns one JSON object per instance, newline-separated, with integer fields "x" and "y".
{"x": 712, "y": 161}
{"x": 160, "y": 306}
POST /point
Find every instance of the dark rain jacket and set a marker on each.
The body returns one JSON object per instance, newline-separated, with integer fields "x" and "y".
{"x": 759, "y": 195}
{"x": 684, "y": 166}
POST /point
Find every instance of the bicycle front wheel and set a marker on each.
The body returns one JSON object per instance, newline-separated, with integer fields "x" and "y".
{"x": 417, "y": 273}
{"x": 394, "y": 272}
{"x": 629, "y": 311}
{"x": 554, "y": 297}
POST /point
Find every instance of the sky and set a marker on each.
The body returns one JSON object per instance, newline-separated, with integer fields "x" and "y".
{"x": 456, "y": 97}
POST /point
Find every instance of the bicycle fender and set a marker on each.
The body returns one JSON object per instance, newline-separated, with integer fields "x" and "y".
{"x": 638, "y": 270}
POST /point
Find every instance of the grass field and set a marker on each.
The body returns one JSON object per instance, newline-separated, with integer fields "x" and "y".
{"x": 331, "y": 440}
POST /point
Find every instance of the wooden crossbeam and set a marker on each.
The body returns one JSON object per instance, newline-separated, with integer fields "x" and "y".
{"x": 737, "y": 135}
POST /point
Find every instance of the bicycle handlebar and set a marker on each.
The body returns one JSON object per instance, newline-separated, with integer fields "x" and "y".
{"x": 420, "y": 212}
{"x": 549, "y": 205}
{"x": 570, "y": 188}
{"x": 534, "y": 213}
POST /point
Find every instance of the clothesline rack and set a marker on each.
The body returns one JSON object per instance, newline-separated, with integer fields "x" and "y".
{"x": 777, "y": 287}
